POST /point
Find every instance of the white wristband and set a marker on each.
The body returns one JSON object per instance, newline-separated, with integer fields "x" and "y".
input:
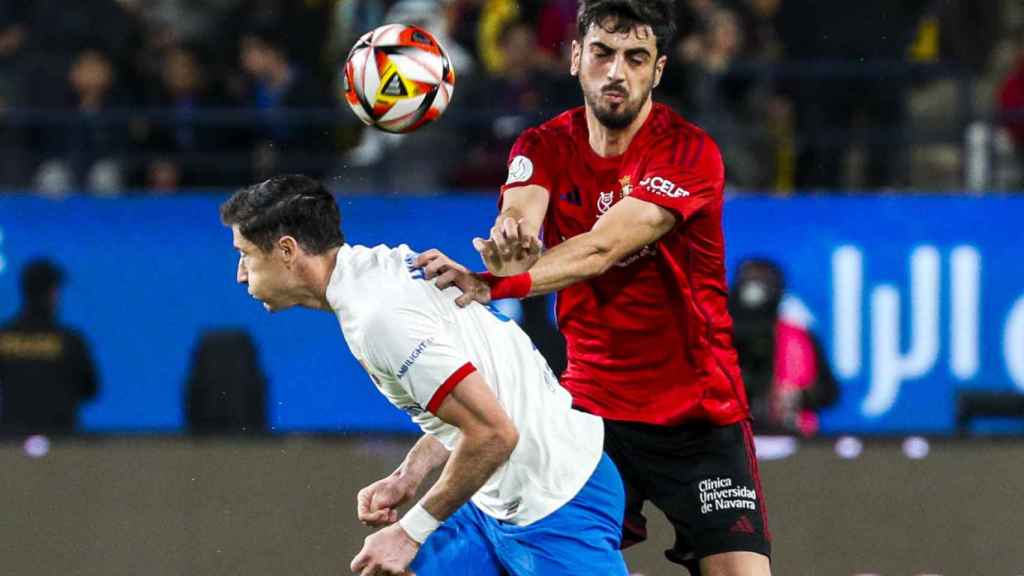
{"x": 418, "y": 523}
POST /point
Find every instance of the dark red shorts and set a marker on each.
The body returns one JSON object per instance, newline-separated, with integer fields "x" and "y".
{"x": 703, "y": 477}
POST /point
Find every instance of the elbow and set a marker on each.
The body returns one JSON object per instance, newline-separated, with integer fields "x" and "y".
{"x": 603, "y": 263}
{"x": 506, "y": 440}
{"x": 501, "y": 441}
{"x": 599, "y": 260}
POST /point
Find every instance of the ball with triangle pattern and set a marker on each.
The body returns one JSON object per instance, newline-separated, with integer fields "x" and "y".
{"x": 398, "y": 78}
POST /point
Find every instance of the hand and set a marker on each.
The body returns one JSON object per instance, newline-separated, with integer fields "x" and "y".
{"x": 376, "y": 505}
{"x": 450, "y": 273}
{"x": 388, "y": 551}
{"x": 509, "y": 250}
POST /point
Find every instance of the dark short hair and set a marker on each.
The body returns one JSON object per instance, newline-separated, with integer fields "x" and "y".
{"x": 658, "y": 14}
{"x": 291, "y": 205}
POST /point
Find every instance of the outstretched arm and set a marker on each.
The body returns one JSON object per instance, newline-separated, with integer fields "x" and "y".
{"x": 629, "y": 226}
{"x": 626, "y": 228}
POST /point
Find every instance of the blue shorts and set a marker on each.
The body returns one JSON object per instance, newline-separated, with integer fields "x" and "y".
{"x": 580, "y": 538}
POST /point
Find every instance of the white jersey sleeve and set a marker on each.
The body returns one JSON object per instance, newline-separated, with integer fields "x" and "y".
{"x": 408, "y": 345}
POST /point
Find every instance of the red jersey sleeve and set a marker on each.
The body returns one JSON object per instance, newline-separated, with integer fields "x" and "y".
{"x": 683, "y": 177}
{"x": 530, "y": 162}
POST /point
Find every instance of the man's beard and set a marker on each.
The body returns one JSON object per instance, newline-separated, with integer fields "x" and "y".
{"x": 616, "y": 119}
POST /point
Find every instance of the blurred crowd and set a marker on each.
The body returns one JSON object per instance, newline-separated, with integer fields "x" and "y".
{"x": 161, "y": 95}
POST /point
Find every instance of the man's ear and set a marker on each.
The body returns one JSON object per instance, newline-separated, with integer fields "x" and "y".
{"x": 574, "y": 62}
{"x": 659, "y": 68}
{"x": 288, "y": 246}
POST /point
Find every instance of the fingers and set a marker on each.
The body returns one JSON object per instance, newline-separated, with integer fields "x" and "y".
{"x": 425, "y": 257}
{"x": 532, "y": 245}
{"x": 488, "y": 250}
{"x": 360, "y": 561}
{"x": 385, "y": 499}
{"x": 510, "y": 231}
{"x": 436, "y": 267}
{"x": 380, "y": 517}
{"x": 505, "y": 235}
{"x": 447, "y": 279}
{"x": 473, "y": 292}
{"x": 377, "y": 517}
{"x": 363, "y": 503}
{"x": 373, "y": 508}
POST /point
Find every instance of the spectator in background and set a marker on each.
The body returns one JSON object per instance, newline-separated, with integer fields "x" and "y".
{"x": 966, "y": 32}
{"x": 46, "y": 370}
{"x": 849, "y": 93}
{"x": 283, "y": 142}
{"x": 13, "y": 31}
{"x": 717, "y": 96}
{"x": 762, "y": 40}
{"x": 556, "y": 27}
{"x": 302, "y": 31}
{"x": 1011, "y": 101}
{"x": 517, "y": 95}
{"x": 182, "y": 144}
{"x": 86, "y": 152}
{"x": 787, "y": 376}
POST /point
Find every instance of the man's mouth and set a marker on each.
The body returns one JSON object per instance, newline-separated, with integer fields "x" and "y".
{"x": 616, "y": 96}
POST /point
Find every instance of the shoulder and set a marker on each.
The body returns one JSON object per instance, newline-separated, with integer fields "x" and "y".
{"x": 677, "y": 142}
{"x": 672, "y": 133}
{"x": 366, "y": 277}
{"x": 557, "y": 130}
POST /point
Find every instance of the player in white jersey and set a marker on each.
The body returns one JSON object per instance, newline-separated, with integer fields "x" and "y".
{"x": 526, "y": 488}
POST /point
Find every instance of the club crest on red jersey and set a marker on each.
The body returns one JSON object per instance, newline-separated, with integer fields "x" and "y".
{"x": 605, "y": 200}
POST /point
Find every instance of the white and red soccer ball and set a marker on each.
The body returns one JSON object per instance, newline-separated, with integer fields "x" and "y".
{"x": 398, "y": 78}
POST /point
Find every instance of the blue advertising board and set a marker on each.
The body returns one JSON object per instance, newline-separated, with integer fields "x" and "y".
{"x": 914, "y": 298}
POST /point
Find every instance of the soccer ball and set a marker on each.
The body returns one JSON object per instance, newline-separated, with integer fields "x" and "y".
{"x": 398, "y": 78}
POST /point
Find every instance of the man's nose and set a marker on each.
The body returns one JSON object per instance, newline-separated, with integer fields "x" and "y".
{"x": 617, "y": 70}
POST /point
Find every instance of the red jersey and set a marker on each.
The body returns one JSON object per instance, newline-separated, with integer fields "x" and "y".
{"x": 650, "y": 340}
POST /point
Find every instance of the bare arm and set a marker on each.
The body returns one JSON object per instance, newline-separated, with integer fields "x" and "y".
{"x": 377, "y": 504}
{"x": 427, "y": 454}
{"x": 516, "y": 231}
{"x": 626, "y": 228}
{"x": 629, "y": 226}
{"x": 488, "y": 438}
{"x": 526, "y": 205}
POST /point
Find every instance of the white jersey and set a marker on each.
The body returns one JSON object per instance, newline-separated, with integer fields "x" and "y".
{"x": 417, "y": 345}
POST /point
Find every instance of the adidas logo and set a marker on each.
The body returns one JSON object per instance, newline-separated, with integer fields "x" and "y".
{"x": 743, "y": 525}
{"x": 394, "y": 87}
{"x": 572, "y": 197}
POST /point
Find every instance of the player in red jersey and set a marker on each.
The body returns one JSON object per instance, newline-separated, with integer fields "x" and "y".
{"x": 628, "y": 197}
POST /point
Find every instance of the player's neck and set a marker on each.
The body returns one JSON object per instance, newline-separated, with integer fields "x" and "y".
{"x": 317, "y": 277}
{"x": 607, "y": 142}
